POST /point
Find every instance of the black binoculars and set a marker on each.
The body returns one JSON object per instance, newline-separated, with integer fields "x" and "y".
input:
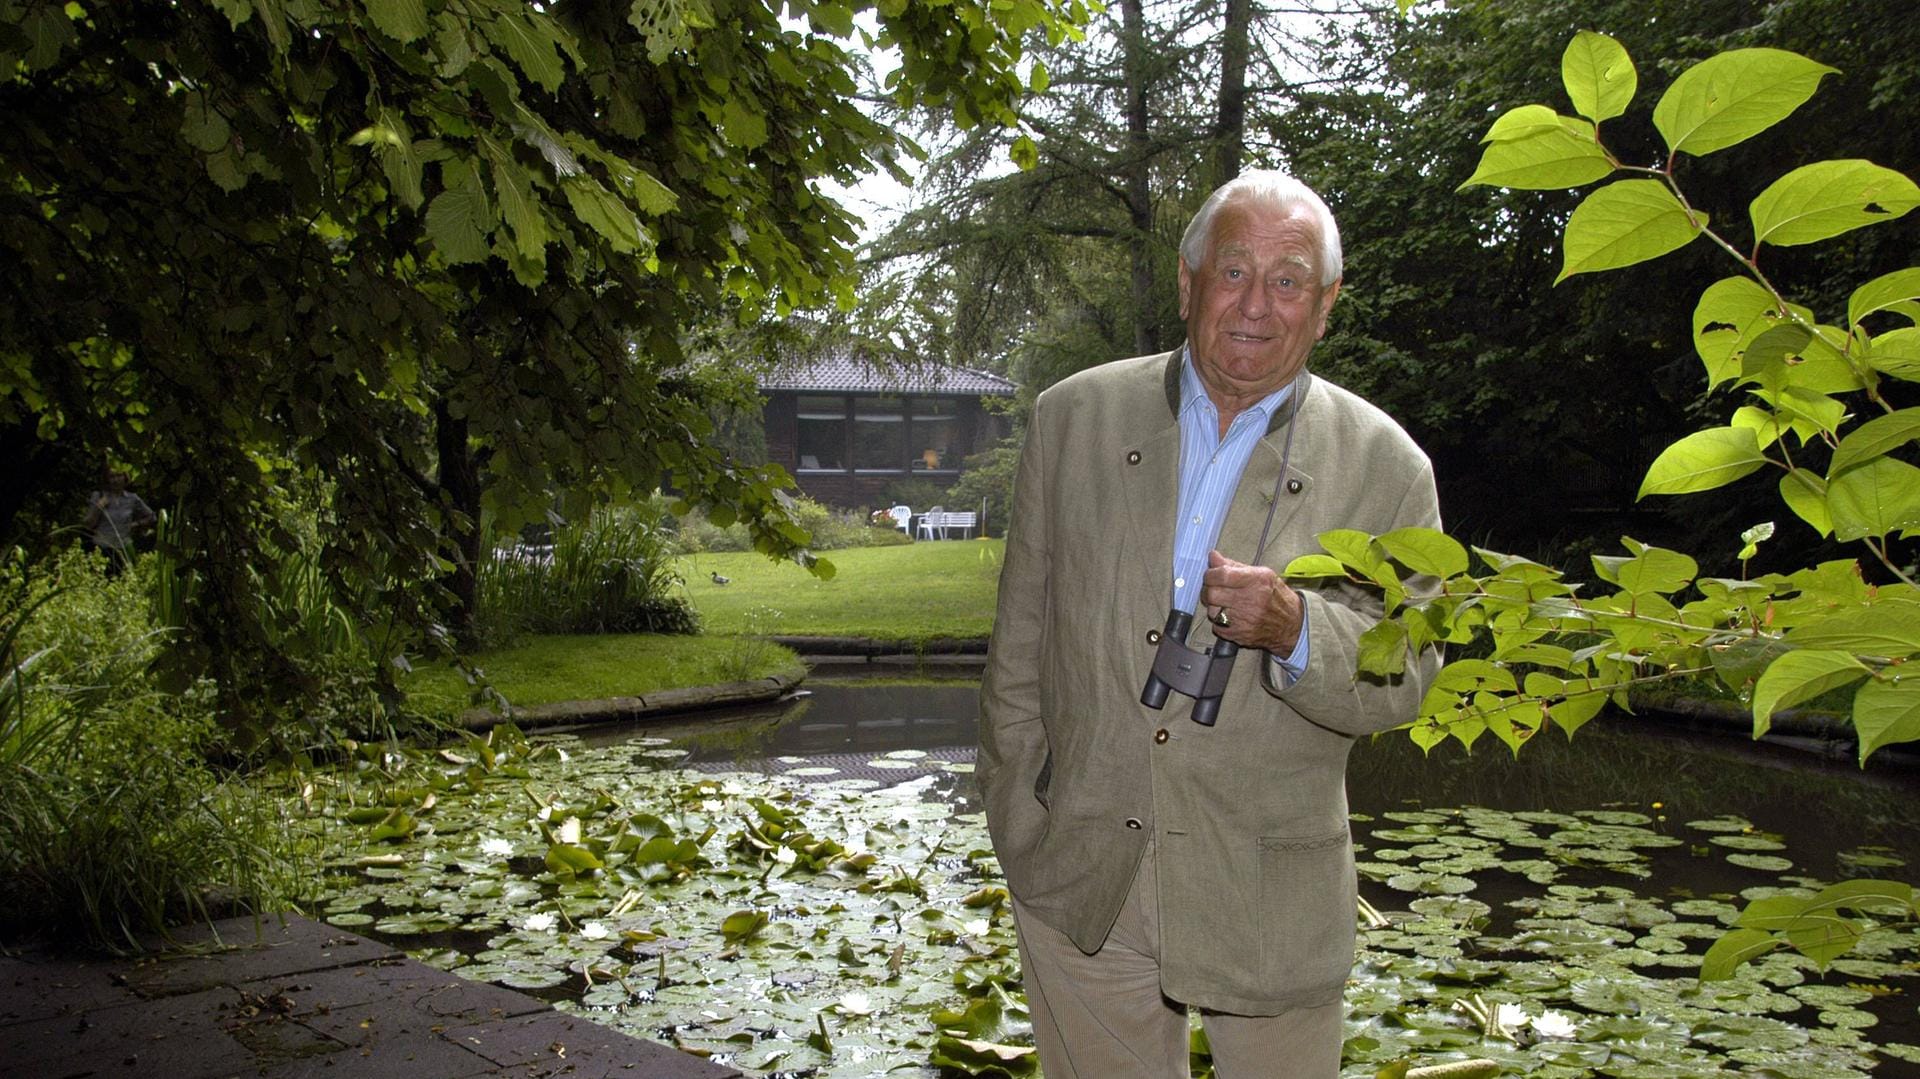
{"x": 1197, "y": 674}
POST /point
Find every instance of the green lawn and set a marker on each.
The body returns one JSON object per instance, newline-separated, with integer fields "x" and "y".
{"x": 541, "y": 670}
{"x": 934, "y": 588}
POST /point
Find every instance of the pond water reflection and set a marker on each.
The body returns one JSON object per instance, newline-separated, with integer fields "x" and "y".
{"x": 1549, "y": 847}
{"x": 806, "y": 890}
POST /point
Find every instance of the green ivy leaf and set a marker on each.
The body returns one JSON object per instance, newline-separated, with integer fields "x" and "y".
{"x": 1702, "y": 461}
{"x": 1548, "y": 158}
{"x": 1624, "y": 223}
{"x": 1886, "y": 711}
{"x": 1731, "y": 97}
{"x": 1599, "y": 76}
{"x": 1875, "y": 438}
{"x": 1874, "y": 499}
{"x": 1820, "y": 201}
{"x": 1798, "y": 676}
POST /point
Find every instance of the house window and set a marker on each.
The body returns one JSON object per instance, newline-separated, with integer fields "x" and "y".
{"x": 933, "y": 434}
{"x": 878, "y": 434}
{"x": 823, "y": 433}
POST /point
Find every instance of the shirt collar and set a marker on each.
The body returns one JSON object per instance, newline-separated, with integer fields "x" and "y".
{"x": 1193, "y": 393}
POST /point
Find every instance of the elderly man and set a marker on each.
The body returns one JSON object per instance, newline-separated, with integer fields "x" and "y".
{"x": 1157, "y": 863}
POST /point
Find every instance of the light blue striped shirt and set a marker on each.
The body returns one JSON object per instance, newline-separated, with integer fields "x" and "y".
{"x": 1210, "y": 467}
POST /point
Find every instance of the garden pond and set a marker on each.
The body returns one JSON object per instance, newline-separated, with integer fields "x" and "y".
{"x": 807, "y": 889}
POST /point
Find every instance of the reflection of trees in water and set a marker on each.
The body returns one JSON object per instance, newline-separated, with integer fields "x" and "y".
{"x": 1821, "y": 806}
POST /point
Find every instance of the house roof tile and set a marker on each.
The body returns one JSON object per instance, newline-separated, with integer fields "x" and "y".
{"x": 844, "y": 373}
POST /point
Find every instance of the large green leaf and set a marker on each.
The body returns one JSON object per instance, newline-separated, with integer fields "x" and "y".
{"x": 402, "y": 20}
{"x": 1732, "y": 312}
{"x": 1549, "y": 158}
{"x": 1890, "y": 628}
{"x": 1884, "y": 292}
{"x": 1819, "y": 201}
{"x": 1875, "y": 438}
{"x": 460, "y": 217}
{"x": 1731, "y": 97}
{"x": 1702, "y": 461}
{"x": 1599, "y": 76}
{"x": 1896, "y": 353}
{"x": 1425, "y": 550}
{"x": 1657, "y": 570}
{"x": 1383, "y": 649}
{"x": 605, "y": 213}
{"x": 1806, "y": 495}
{"x": 1798, "y": 676}
{"x": 533, "y": 43}
{"x": 1886, "y": 711}
{"x": 1735, "y": 947}
{"x": 1874, "y": 499}
{"x": 1624, "y": 223}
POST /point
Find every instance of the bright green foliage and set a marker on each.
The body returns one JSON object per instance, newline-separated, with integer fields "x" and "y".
{"x": 1774, "y": 640}
{"x": 430, "y": 258}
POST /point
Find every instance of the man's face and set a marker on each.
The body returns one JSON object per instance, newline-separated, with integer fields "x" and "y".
{"x": 1255, "y": 309}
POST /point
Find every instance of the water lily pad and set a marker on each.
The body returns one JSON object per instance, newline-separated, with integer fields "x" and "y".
{"x": 813, "y": 770}
{"x": 1431, "y": 883}
{"x": 1765, "y": 863}
{"x": 1748, "y": 842}
{"x": 1721, "y": 824}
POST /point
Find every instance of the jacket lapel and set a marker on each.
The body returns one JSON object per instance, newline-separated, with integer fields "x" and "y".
{"x": 1240, "y": 533}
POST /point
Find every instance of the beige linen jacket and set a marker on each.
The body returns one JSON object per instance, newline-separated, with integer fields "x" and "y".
{"x": 1249, "y": 817}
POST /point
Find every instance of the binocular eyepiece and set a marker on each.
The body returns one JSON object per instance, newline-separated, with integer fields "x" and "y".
{"x": 1196, "y": 674}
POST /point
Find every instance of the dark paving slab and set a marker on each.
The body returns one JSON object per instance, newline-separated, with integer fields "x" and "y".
{"x": 34, "y": 984}
{"x": 296, "y": 999}
{"x": 239, "y": 950}
{"x": 401, "y": 988}
{"x": 554, "y": 1044}
{"x": 181, "y": 1036}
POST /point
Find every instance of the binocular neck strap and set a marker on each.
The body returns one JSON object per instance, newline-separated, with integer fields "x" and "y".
{"x": 1286, "y": 460}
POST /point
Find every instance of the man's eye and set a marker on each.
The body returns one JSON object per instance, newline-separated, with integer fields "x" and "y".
{"x": 1234, "y": 274}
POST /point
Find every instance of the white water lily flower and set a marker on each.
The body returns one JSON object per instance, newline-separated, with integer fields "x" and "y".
{"x": 784, "y": 855}
{"x": 595, "y": 931}
{"x": 978, "y": 927}
{"x": 541, "y": 922}
{"x": 712, "y": 805}
{"x": 497, "y": 848}
{"x": 569, "y": 831}
{"x": 856, "y": 1004}
{"x": 1555, "y": 1025}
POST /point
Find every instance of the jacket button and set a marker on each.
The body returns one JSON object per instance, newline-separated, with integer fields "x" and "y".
{"x": 1293, "y": 487}
{"x": 1133, "y": 458}
{"x": 1153, "y": 636}
{"x": 1160, "y": 736}
{"x": 1134, "y": 823}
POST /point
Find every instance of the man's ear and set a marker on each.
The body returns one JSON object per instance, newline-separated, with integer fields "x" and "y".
{"x": 1186, "y": 284}
{"x": 1326, "y": 305}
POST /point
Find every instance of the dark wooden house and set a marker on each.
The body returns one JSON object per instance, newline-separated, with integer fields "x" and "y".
{"x": 848, "y": 430}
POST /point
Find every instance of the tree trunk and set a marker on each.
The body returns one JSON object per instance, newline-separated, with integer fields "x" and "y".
{"x": 1138, "y": 175}
{"x": 459, "y": 481}
{"x": 1230, "y": 124}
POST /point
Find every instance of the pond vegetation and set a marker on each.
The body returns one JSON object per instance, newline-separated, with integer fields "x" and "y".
{"x": 794, "y": 915}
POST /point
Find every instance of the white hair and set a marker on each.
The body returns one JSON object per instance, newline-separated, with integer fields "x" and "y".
{"x": 1278, "y": 190}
